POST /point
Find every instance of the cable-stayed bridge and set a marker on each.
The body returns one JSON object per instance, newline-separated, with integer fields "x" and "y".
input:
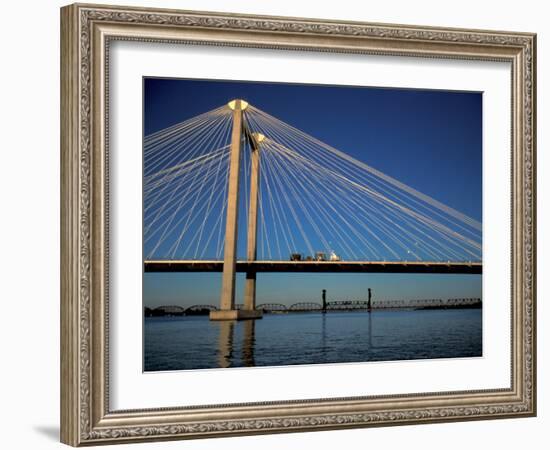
{"x": 236, "y": 189}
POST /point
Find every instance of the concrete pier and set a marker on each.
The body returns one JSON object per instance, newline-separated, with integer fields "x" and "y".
{"x": 227, "y": 298}
{"x": 250, "y": 282}
{"x": 235, "y": 314}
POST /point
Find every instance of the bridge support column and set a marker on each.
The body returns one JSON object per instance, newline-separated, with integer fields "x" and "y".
{"x": 227, "y": 309}
{"x": 227, "y": 299}
{"x": 250, "y": 282}
{"x": 250, "y": 291}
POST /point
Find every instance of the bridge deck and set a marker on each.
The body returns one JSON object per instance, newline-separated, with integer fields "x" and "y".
{"x": 317, "y": 266}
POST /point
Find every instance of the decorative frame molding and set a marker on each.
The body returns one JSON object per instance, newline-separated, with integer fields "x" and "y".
{"x": 86, "y": 31}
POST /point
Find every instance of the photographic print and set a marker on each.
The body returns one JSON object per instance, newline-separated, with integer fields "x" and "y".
{"x": 293, "y": 224}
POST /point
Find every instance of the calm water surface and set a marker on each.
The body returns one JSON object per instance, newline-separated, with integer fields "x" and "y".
{"x": 176, "y": 343}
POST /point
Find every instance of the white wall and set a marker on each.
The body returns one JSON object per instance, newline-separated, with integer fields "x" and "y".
{"x": 29, "y": 186}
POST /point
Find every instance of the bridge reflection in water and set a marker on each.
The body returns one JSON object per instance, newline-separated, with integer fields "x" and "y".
{"x": 229, "y": 351}
{"x": 226, "y": 344}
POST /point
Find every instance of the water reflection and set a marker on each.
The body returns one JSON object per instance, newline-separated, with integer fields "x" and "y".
{"x": 323, "y": 352}
{"x": 225, "y": 343}
{"x": 369, "y": 336}
{"x": 227, "y": 348}
{"x": 237, "y": 340}
{"x": 249, "y": 327}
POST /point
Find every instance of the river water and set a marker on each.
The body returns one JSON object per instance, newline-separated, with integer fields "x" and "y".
{"x": 178, "y": 343}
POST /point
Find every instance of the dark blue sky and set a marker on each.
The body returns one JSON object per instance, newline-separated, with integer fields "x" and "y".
{"x": 429, "y": 140}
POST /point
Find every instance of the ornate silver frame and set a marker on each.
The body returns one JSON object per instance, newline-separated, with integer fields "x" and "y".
{"x": 86, "y": 31}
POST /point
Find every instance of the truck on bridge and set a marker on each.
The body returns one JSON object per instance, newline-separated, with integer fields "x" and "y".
{"x": 319, "y": 256}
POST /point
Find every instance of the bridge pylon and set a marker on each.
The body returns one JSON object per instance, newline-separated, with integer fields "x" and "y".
{"x": 227, "y": 309}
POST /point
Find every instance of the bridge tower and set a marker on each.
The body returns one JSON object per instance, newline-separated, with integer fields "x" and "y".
{"x": 227, "y": 309}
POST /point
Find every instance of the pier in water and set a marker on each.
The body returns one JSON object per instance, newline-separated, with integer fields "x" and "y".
{"x": 195, "y": 342}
